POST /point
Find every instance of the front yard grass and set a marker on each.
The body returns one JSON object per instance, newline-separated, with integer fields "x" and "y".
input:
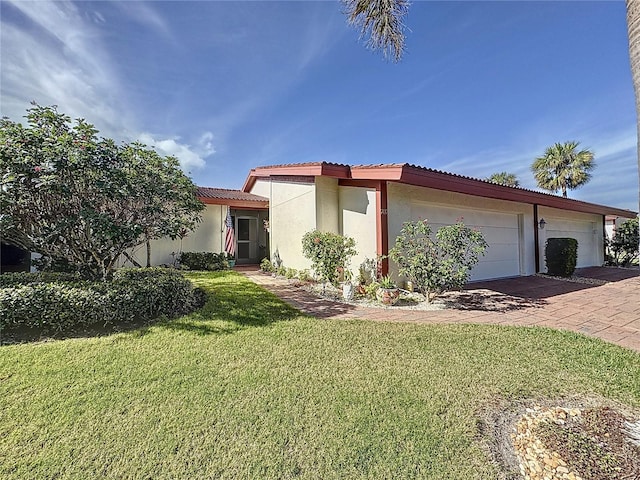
{"x": 247, "y": 388}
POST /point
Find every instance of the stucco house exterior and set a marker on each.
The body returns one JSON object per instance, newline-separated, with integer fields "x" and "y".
{"x": 371, "y": 202}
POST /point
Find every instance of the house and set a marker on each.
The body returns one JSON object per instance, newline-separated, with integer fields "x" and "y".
{"x": 371, "y": 202}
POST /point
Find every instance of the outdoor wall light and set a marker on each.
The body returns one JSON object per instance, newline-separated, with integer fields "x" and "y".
{"x": 542, "y": 223}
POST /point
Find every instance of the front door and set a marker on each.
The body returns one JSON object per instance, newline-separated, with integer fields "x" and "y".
{"x": 247, "y": 239}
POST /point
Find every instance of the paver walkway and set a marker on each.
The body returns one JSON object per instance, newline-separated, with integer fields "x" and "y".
{"x": 610, "y": 311}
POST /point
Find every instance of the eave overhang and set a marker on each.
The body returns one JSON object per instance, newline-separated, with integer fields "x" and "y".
{"x": 425, "y": 177}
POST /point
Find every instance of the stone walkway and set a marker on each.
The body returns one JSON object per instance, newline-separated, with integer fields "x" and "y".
{"x": 610, "y": 311}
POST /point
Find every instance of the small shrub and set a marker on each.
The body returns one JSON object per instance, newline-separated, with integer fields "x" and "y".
{"x": 305, "y": 276}
{"x": 53, "y": 303}
{"x": 436, "y": 265}
{"x": 624, "y": 245}
{"x": 371, "y": 290}
{"x": 281, "y": 271}
{"x": 266, "y": 266}
{"x": 204, "y": 260}
{"x": 291, "y": 273}
{"x": 328, "y": 252}
{"x": 561, "y": 256}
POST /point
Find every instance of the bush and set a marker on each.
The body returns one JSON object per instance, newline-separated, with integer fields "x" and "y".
{"x": 55, "y": 303}
{"x": 204, "y": 260}
{"x": 291, "y": 273}
{"x": 561, "y": 256}
{"x": 441, "y": 264}
{"x": 266, "y": 266}
{"x": 328, "y": 253}
{"x": 624, "y": 245}
{"x": 24, "y": 278}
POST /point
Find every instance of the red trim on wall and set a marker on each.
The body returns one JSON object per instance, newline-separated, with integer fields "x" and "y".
{"x": 349, "y": 182}
{"x": 425, "y": 177}
{"x": 382, "y": 226}
{"x": 292, "y": 178}
{"x": 314, "y": 169}
{"x": 536, "y": 238}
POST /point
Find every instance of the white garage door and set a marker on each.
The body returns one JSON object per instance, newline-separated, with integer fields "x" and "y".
{"x": 583, "y": 232}
{"x": 500, "y": 230}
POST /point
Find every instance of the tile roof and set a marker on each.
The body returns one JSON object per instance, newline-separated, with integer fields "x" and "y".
{"x": 228, "y": 194}
{"x": 428, "y": 177}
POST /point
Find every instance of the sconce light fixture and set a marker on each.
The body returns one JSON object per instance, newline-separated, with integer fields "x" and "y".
{"x": 542, "y": 223}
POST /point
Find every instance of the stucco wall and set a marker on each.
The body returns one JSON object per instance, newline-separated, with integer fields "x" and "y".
{"x": 586, "y": 228}
{"x": 292, "y": 213}
{"x": 207, "y": 237}
{"x": 262, "y": 188}
{"x": 327, "y": 205}
{"x": 358, "y": 220}
{"x": 507, "y": 226}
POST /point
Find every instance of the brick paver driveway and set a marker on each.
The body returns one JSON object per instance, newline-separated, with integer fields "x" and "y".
{"x": 609, "y": 310}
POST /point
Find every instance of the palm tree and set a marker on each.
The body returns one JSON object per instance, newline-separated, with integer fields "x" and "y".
{"x": 562, "y": 167}
{"x": 381, "y": 21}
{"x": 504, "y": 178}
{"x": 633, "y": 29}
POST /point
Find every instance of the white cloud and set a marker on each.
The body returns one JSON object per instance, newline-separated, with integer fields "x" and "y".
{"x": 57, "y": 58}
{"x": 206, "y": 144}
{"x": 145, "y": 15}
{"x": 190, "y": 157}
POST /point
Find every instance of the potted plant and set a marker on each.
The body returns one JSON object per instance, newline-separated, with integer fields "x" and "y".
{"x": 362, "y": 280}
{"x": 388, "y": 292}
{"x": 347, "y": 286}
{"x": 231, "y": 260}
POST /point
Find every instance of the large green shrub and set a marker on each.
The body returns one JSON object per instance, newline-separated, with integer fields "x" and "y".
{"x": 24, "y": 278}
{"x": 436, "y": 265}
{"x": 561, "y": 256}
{"x": 57, "y": 302}
{"x": 204, "y": 260}
{"x": 82, "y": 200}
{"x": 328, "y": 252}
{"x": 624, "y": 245}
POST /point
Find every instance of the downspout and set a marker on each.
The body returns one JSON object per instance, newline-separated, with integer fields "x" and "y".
{"x": 536, "y": 239}
{"x": 382, "y": 227}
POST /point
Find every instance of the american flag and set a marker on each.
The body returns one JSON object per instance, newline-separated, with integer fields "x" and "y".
{"x": 229, "y": 241}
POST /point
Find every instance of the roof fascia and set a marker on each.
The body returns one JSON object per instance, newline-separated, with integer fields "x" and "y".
{"x": 304, "y": 169}
{"x": 245, "y": 204}
{"x": 442, "y": 181}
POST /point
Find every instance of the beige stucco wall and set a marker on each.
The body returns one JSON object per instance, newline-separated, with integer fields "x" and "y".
{"x": 507, "y": 226}
{"x": 358, "y": 220}
{"x": 586, "y": 228}
{"x": 327, "y": 205}
{"x": 208, "y": 237}
{"x": 292, "y": 213}
{"x": 262, "y": 188}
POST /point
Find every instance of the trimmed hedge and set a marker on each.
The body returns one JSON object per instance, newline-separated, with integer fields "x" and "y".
{"x": 204, "y": 260}
{"x": 53, "y": 303}
{"x": 561, "y": 256}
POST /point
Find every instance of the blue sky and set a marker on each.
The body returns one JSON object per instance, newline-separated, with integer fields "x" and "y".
{"x": 226, "y": 86}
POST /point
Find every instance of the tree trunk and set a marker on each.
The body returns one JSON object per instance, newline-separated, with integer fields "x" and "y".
{"x": 633, "y": 28}
{"x": 148, "y": 252}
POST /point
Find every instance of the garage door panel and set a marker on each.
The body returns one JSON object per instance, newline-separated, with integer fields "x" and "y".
{"x": 583, "y": 232}
{"x": 500, "y": 230}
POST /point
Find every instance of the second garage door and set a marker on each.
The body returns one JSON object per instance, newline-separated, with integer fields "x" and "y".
{"x": 502, "y": 231}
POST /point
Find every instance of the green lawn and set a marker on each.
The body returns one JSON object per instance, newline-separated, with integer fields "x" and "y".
{"x": 246, "y": 388}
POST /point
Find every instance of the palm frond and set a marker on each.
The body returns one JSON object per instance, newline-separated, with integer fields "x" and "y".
{"x": 381, "y": 23}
